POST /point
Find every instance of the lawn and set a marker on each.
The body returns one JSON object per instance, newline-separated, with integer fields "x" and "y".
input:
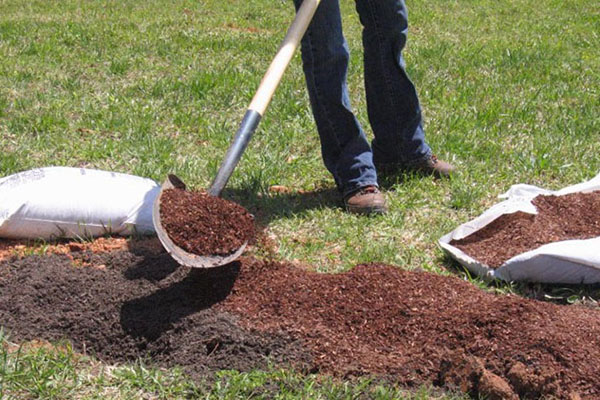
{"x": 509, "y": 91}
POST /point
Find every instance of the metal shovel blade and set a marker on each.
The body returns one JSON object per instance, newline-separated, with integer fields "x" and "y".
{"x": 181, "y": 256}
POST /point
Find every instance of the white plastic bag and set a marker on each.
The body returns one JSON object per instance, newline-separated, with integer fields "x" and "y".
{"x": 569, "y": 261}
{"x": 56, "y": 202}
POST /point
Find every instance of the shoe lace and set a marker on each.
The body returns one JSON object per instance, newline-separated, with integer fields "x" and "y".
{"x": 368, "y": 189}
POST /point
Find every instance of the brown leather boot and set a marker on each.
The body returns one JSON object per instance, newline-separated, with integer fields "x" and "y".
{"x": 366, "y": 200}
{"x": 427, "y": 166}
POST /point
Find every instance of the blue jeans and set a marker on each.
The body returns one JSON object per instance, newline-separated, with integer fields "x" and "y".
{"x": 392, "y": 102}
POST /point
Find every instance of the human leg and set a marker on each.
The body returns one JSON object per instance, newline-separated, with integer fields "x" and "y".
{"x": 344, "y": 146}
{"x": 392, "y": 100}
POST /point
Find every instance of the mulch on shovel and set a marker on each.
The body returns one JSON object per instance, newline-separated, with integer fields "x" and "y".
{"x": 203, "y": 224}
{"x": 411, "y": 327}
{"x": 567, "y": 217}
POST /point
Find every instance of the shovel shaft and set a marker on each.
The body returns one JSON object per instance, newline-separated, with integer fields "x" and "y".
{"x": 284, "y": 55}
{"x": 235, "y": 151}
{"x": 264, "y": 94}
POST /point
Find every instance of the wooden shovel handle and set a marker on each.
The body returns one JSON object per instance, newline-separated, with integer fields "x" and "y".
{"x": 264, "y": 94}
{"x": 284, "y": 55}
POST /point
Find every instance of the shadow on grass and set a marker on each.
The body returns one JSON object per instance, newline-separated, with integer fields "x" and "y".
{"x": 267, "y": 207}
{"x": 390, "y": 181}
{"x": 587, "y": 295}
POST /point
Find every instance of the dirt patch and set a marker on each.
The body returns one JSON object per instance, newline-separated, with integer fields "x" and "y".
{"x": 572, "y": 216}
{"x": 136, "y": 306}
{"x": 204, "y": 224}
{"x": 411, "y": 327}
{"x": 20, "y": 248}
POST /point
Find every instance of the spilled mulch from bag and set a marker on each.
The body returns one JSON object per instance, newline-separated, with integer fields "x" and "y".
{"x": 410, "y": 327}
{"x": 203, "y": 224}
{"x": 567, "y": 217}
{"x": 20, "y": 247}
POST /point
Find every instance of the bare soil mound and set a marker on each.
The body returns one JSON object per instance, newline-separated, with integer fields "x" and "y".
{"x": 204, "y": 224}
{"x": 123, "y": 306}
{"x": 572, "y": 216}
{"x": 412, "y": 327}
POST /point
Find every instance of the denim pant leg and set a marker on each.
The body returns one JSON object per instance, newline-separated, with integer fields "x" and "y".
{"x": 344, "y": 146}
{"x": 392, "y": 101}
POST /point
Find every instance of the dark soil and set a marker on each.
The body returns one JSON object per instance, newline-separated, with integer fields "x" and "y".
{"x": 572, "y": 216}
{"x": 203, "y": 224}
{"x": 131, "y": 307}
{"x": 411, "y": 327}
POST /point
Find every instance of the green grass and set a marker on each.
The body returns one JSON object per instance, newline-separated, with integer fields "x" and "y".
{"x": 509, "y": 91}
{"x": 56, "y": 372}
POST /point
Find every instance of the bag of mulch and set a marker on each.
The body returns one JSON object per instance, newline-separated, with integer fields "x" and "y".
{"x": 61, "y": 202}
{"x": 574, "y": 261}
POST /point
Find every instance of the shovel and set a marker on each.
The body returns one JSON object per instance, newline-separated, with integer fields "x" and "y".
{"x": 250, "y": 122}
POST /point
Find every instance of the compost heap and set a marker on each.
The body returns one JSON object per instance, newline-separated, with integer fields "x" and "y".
{"x": 203, "y": 224}
{"x": 566, "y": 217}
{"x": 410, "y": 327}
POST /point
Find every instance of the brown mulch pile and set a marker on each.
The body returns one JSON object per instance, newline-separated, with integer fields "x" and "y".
{"x": 203, "y": 224}
{"x": 419, "y": 327}
{"x": 412, "y": 327}
{"x": 567, "y": 217}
